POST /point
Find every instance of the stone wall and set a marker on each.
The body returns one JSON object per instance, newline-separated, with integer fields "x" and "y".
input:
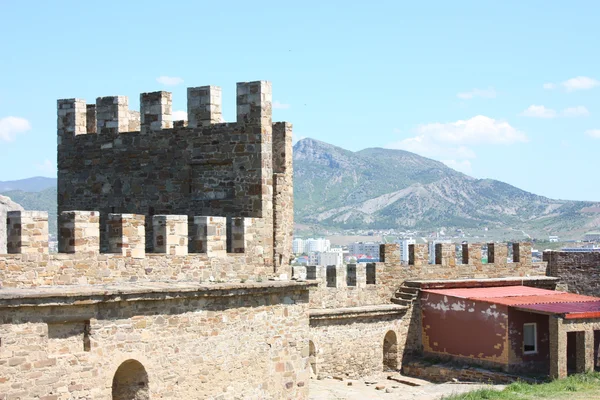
{"x": 578, "y": 272}
{"x": 335, "y": 289}
{"x": 202, "y": 168}
{"x": 203, "y": 258}
{"x": 441, "y": 373}
{"x": 180, "y": 341}
{"x": 6, "y": 205}
{"x": 351, "y": 344}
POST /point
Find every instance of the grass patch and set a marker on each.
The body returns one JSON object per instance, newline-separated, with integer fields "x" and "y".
{"x": 579, "y": 386}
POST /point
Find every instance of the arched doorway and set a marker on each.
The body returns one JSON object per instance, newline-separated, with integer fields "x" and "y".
{"x": 312, "y": 358}
{"x": 130, "y": 382}
{"x": 390, "y": 351}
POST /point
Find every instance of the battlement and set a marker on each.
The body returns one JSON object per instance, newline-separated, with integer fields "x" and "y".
{"x": 117, "y": 161}
{"x": 175, "y": 235}
{"x": 471, "y": 254}
{"x": 110, "y": 115}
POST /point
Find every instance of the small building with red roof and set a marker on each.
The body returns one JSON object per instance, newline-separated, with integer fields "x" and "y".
{"x": 514, "y": 327}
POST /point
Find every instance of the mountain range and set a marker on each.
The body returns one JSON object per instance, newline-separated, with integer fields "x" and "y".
{"x": 384, "y": 188}
{"x": 379, "y": 188}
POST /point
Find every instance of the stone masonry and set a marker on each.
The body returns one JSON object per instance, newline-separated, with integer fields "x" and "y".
{"x": 173, "y": 276}
{"x": 356, "y": 309}
{"x": 579, "y": 272}
{"x": 203, "y": 168}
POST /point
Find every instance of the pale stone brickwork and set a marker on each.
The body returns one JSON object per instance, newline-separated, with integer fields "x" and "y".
{"x": 351, "y": 345}
{"x": 127, "y": 235}
{"x": 584, "y": 329}
{"x": 27, "y": 232}
{"x": 191, "y": 341}
{"x": 80, "y": 260}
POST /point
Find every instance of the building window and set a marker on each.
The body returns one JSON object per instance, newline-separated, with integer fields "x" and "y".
{"x": 530, "y": 338}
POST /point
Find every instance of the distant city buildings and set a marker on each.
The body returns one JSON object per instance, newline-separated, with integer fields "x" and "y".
{"x": 592, "y": 236}
{"x": 404, "y": 242}
{"x": 334, "y": 256}
{"x": 553, "y": 239}
{"x": 369, "y": 249}
{"x": 431, "y": 244}
{"x": 300, "y": 246}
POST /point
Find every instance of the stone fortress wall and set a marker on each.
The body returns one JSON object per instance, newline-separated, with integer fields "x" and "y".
{"x": 363, "y": 318}
{"x": 172, "y": 278}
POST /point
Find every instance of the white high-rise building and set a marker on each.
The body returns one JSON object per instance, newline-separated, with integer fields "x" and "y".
{"x": 404, "y": 242}
{"x": 298, "y": 246}
{"x": 333, "y": 257}
{"x": 317, "y": 245}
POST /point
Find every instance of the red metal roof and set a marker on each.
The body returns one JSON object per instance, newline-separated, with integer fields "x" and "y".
{"x": 552, "y": 297}
{"x": 497, "y": 291}
{"x": 570, "y": 305}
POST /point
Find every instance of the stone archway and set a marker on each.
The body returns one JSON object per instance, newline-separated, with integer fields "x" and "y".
{"x": 390, "y": 351}
{"x": 312, "y": 358}
{"x": 130, "y": 382}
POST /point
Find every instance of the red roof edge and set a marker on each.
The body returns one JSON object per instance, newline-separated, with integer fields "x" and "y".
{"x": 583, "y": 315}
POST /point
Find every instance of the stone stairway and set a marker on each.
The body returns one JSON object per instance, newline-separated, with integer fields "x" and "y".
{"x": 405, "y": 295}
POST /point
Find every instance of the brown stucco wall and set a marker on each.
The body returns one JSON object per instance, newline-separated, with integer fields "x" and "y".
{"x": 461, "y": 328}
{"x": 528, "y": 362}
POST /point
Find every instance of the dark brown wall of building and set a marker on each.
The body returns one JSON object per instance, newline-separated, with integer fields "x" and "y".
{"x": 579, "y": 271}
{"x": 539, "y": 362}
{"x": 468, "y": 329}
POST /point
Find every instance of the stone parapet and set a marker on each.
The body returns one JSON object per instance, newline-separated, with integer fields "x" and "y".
{"x": 79, "y": 232}
{"x": 127, "y": 235}
{"x": 27, "y": 232}
{"x": 170, "y": 234}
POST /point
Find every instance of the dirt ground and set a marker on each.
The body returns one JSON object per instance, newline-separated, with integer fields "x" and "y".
{"x": 380, "y": 387}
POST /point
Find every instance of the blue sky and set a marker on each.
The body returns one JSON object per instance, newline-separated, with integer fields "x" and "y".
{"x": 505, "y": 90}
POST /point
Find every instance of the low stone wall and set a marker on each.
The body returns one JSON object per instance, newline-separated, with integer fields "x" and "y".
{"x": 440, "y": 373}
{"x": 180, "y": 341}
{"x": 350, "y": 342}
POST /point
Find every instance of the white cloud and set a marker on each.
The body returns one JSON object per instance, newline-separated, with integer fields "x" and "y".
{"x": 169, "y": 80}
{"x": 578, "y": 111}
{"x": 10, "y": 127}
{"x": 179, "y": 116}
{"x": 47, "y": 167}
{"x": 479, "y": 129}
{"x": 549, "y": 86}
{"x": 580, "y": 83}
{"x": 594, "y": 133}
{"x": 536, "y": 111}
{"x": 450, "y": 141}
{"x": 489, "y": 93}
{"x": 280, "y": 106}
{"x": 462, "y": 166}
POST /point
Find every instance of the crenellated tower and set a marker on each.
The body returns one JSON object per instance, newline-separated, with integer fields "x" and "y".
{"x": 117, "y": 161}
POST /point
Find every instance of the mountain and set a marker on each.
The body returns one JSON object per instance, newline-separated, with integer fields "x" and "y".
{"x": 35, "y": 184}
{"x": 383, "y": 188}
{"x": 6, "y": 205}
